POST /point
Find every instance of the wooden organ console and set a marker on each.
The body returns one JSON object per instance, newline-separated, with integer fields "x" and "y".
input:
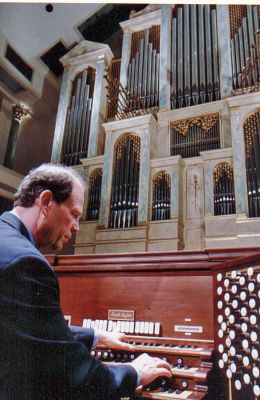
{"x": 168, "y": 305}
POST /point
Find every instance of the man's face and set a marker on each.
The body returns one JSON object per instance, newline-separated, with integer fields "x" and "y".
{"x": 63, "y": 219}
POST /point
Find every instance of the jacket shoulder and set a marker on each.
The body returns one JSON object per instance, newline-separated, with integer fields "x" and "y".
{"x": 13, "y": 244}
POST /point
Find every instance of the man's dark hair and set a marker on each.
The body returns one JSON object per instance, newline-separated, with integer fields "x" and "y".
{"x": 54, "y": 177}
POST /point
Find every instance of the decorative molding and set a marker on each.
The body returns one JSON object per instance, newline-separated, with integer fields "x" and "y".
{"x": 142, "y": 22}
{"x": 86, "y": 50}
{"x": 19, "y": 112}
{"x": 204, "y": 122}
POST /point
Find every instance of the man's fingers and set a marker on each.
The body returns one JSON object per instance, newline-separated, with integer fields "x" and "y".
{"x": 159, "y": 363}
{"x": 163, "y": 364}
{"x": 125, "y": 346}
{"x": 162, "y": 372}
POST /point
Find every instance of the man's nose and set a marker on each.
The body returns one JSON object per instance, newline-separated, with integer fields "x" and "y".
{"x": 75, "y": 226}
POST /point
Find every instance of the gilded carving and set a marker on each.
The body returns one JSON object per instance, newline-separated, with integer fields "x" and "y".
{"x": 251, "y": 128}
{"x": 19, "y": 112}
{"x": 204, "y": 122}
{"x": 222, "y": 168}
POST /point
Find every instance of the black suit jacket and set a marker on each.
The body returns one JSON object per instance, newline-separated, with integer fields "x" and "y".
{"x": 40, "y": 356}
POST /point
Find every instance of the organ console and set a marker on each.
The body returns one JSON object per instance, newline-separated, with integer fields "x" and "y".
{"x": 193, "y": 309}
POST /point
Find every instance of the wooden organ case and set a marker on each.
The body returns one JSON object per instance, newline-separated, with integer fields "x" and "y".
{"x": 165, "y": 305}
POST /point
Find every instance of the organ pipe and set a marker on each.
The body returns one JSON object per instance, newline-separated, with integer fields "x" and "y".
{"x": 224, "y": 196}
{"x": 93, "y": 207}
{"x": 191, "y": 136}
{"x": 124, "y": 197}
{"x": 143, "y": 71}
{"x": 245, "y": 49}
{"x": 195, "y": 71}
{"x": 77, "y": 125}
{"x": 161, "y": 197}
{"x": 252, "y": 158}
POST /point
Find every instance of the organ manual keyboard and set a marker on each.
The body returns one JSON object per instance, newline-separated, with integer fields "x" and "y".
{"x": 191, "y": 366}
{"x": 164, "y": 303}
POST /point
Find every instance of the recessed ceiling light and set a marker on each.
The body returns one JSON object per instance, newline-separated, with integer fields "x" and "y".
{"x": 49, "y": 7}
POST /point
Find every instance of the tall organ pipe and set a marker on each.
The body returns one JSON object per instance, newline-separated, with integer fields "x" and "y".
{"x": 195, "y": 71}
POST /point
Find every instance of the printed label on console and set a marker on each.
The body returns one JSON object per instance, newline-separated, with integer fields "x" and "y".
{"x": 188, "y": 328}
{"x": 121, "y": 315}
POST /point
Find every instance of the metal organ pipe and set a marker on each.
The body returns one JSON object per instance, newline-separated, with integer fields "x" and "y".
{"x": 124, "y": 198}
{"x": 244, "y": 50}
{"x": 161, "y": 197}
{"x": 224, "y": 196}
{"x": 174, "y": 62}
{"x": 94, "y": 196}
{"x": 187, "y": 61}
{"x": 208, "y": 52}
{"x": 179, "y": 58}
{"x": 143, "y": 74}
{"x": 76, "y": 133}
{"x": 190, "y": 137}
{"x": 245, "y": 37}
{"x": 202, "y": 57}
{"x": 194, "y": 58}
{"x": 195, "y": 75}
{"x": 252, "y": 146}
{"x": 216, "y": 94}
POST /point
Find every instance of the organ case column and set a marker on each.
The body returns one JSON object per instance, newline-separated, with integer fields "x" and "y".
{"x": 238, "y": 160}
{"x": 165, "y": 58}
{"x": 224, "y": 50}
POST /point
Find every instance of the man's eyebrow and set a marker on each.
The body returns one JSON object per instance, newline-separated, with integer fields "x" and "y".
{"x": 76, "y": 211}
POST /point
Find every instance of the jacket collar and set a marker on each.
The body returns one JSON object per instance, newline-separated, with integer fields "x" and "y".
{"x": 16, "y": 223}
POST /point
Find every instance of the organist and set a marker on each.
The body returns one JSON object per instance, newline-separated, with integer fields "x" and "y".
{"x": 41, "y": 356}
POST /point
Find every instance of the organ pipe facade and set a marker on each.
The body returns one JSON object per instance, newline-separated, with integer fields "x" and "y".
{"x": 124, "y": 196}
{"x": 167, "y": 137}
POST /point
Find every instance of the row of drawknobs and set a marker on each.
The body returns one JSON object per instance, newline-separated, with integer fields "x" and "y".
{"x": 238, "y": 298}
{"x": 130, "y": 327}
{"x": 111, "y": 356}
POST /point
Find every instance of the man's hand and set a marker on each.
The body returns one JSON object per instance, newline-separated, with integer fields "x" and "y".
{"x": 150, "y": 368}
{"x": 113, "y": 340}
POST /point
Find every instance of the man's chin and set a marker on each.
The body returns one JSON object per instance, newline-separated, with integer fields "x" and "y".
{"x": 57, "y": 246}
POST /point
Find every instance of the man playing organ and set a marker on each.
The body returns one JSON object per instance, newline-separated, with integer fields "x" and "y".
{"x": 42, "y": 358}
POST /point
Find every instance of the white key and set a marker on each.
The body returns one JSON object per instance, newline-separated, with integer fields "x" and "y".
{"x": 114, "y": 326}
{"x": 96, "y": 324}
{"x": 104, "y": 327}
{"x": 110, "y": 326}
{"x": 127, "y": 326}
{"x": 157, "y": 328}
{"x": 122, "y": 327}
{"x": 92, "y": 324}
{"x": 118, "y": 326}
{"x": 142, "y": 327}
{"x": 146, "y": 328}
{"x": 137, "y": 327}
{"x": 131, "y": 327}
{"x": 151, "y": 328}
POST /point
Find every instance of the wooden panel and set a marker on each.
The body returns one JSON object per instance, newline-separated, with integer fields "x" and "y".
{"x": 200, "y": 259}
{"x": 168, "y": 299}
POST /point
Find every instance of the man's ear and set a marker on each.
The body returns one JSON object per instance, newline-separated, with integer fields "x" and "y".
{"x": 45, "y": 201}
